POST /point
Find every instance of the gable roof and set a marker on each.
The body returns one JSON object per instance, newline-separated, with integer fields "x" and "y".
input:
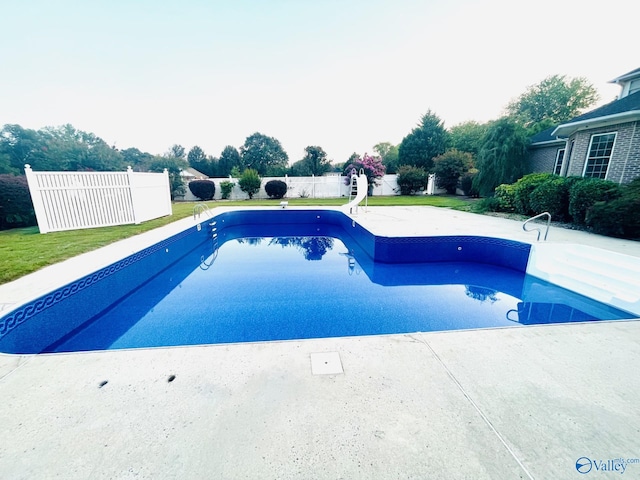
{"x": 545, "y": 137}
{"x": 191, "y": 173}
{"x": 626, "y": 76}
{"x": 627, "y": 109}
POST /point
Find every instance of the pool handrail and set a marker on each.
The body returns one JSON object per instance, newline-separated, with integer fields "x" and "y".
{"x": 546, "y": 232}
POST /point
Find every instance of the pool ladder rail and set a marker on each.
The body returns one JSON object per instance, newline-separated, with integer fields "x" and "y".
{"x": 205, "y": 263}
{"x": 538, "y": 228}
{"x": 200, "y": 208}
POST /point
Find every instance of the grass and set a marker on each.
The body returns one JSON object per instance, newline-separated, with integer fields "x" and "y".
{"x": 25, "y": 250}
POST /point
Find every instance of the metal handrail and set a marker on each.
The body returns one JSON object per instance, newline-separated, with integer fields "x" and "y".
{"x": 200, "y": 208}
{"x": 543, "y": 214}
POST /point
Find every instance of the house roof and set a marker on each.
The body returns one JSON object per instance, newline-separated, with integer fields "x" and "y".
{"x": 191, "y": 173}
{"x": 626, "y": 109}
{"x": 545, "y": 138}
{"x": 626, "y": 76}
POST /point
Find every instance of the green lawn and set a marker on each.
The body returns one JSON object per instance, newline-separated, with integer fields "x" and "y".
{"x": 25, "y": 250}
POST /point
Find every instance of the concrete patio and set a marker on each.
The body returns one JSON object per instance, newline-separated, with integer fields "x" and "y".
{"x": 510, "y": 403}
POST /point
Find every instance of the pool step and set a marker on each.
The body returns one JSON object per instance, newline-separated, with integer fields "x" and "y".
{"x": 606, "y": 276}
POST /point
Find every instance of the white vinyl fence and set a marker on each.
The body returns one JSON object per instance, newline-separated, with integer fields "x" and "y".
{"x": 326, "y": 186}
{"x": 76, "y": 200}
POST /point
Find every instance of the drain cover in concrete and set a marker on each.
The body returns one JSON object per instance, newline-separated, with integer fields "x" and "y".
{"x": 326, "y": 363}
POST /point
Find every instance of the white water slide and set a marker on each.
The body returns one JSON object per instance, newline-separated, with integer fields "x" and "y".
{"x": 361, "y": 191}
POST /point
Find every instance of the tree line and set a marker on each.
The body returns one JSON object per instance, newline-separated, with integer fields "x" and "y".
{"x": 490, "y": 153}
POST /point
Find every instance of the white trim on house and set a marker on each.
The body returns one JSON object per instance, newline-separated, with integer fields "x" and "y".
{"x": 568, "y": 129}
{"x": 613, "y": 147}
{"x": 548, "y": 143}
{"x": 559, "y": 157}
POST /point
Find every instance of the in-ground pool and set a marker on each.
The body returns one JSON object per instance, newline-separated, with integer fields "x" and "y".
{"x": 292, "y": 274}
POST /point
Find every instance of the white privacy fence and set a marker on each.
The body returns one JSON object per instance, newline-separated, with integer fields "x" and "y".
{"x": 75, "y": 200}
{"x": 330, "y": 186}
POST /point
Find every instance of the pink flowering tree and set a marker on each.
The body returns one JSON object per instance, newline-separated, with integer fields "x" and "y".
{"x": 372, "y": 166}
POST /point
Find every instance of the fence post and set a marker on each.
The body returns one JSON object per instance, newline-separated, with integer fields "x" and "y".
{"x": 36, "y": 198}
{"x": 135, "y": 203}
{"x": 168, "y": 196}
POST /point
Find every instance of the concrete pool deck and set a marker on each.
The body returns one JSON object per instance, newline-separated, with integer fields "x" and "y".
{"x": 523, "y": 402}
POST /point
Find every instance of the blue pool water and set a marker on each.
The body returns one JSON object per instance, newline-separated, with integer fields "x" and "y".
{"x": 285, "y": 275}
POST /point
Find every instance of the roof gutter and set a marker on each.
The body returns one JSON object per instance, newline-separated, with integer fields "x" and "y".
{"x": 548, "y": 142}
{"x": 568, "y": 129}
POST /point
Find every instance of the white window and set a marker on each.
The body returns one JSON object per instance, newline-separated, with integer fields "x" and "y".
{"x": 600, "y": 150}
{"x": 634, "y": 86}
{"x": 559, "y": 158}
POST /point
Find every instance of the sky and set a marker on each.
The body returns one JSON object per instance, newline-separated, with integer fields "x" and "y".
{"x": 340, "y": 74}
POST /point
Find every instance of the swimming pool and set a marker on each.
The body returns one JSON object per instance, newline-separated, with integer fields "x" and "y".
{"x": 292, "y": 274}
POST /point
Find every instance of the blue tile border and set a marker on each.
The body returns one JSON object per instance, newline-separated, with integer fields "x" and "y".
{"x": 24, "y": 313}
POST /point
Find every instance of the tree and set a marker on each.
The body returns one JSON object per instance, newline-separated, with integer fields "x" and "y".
{"x": 19, "y": 146}
{"x": 250, "y": 182}
{"x": 198, "y": 160}
{"x": 372, "y": 167}
{"x": 554, "y": 100}
{"x": 468, "y": 136}
{"x": 73, "y": 149}
{"x": 389, "y": 154}
{"x": 173, "y": 165}
{"x": 139, "y": 161}
{"x": 502, "y": 157}
{"x": 229, "y": 158}
{"x": 428, "y": 140}
{"x": 449, "y": 166}
{"x": 314, "y": 162}
{"x": 264, "y": 154}
{"x": 175, "y": 151}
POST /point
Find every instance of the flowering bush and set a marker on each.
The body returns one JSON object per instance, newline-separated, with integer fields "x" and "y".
{"x": 372, "y": 166}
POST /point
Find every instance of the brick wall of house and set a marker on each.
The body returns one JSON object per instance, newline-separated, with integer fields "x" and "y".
{"x": 624, "y": 165}
{"x": 632, "y": 162}
{"x": 543, "y": 159}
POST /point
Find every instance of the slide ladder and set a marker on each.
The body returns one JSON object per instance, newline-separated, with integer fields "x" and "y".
{"x": 357, "y": 191}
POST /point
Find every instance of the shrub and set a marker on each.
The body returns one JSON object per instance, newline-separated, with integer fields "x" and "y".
{"x": 448, "y": 168}
{"x": 225, "y": 189}
{"x": 505, "y": 198}
{"x": 411, "y": 179}
{"x": 552, "y": 196}
{"x": 16, "y": 209}
{"x": 275, "y": 188}
{"x": 619, "y": 217}
{"x": 203, "y": 189}
{"x": 487, "y": 204}
{"x": 523, "y": 189}
{"x": 585, "y": 192}
{"x": 250, "y": 182}
{"x": 466, "y": 184}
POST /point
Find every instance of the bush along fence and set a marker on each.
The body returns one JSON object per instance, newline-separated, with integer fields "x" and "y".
{"x": 329, "y": 186}
{"x": 76, "y": 200}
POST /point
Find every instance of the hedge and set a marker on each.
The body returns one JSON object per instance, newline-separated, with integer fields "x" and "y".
{"x": 275, "y": 188}
{"x": 16, "y": 209}
{"x": 584, "y": 193}
{"x": 203, "y": 189}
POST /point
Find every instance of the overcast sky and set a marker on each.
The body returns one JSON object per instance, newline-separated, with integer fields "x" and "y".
{"x": 343, "y": 74}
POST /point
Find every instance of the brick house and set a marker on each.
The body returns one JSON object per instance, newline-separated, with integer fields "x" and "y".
{"x": 603, "y": 143}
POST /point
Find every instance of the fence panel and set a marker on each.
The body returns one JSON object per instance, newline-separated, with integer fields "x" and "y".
{"x": 76, "y": 200}
{"x": 326, "y": 186}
